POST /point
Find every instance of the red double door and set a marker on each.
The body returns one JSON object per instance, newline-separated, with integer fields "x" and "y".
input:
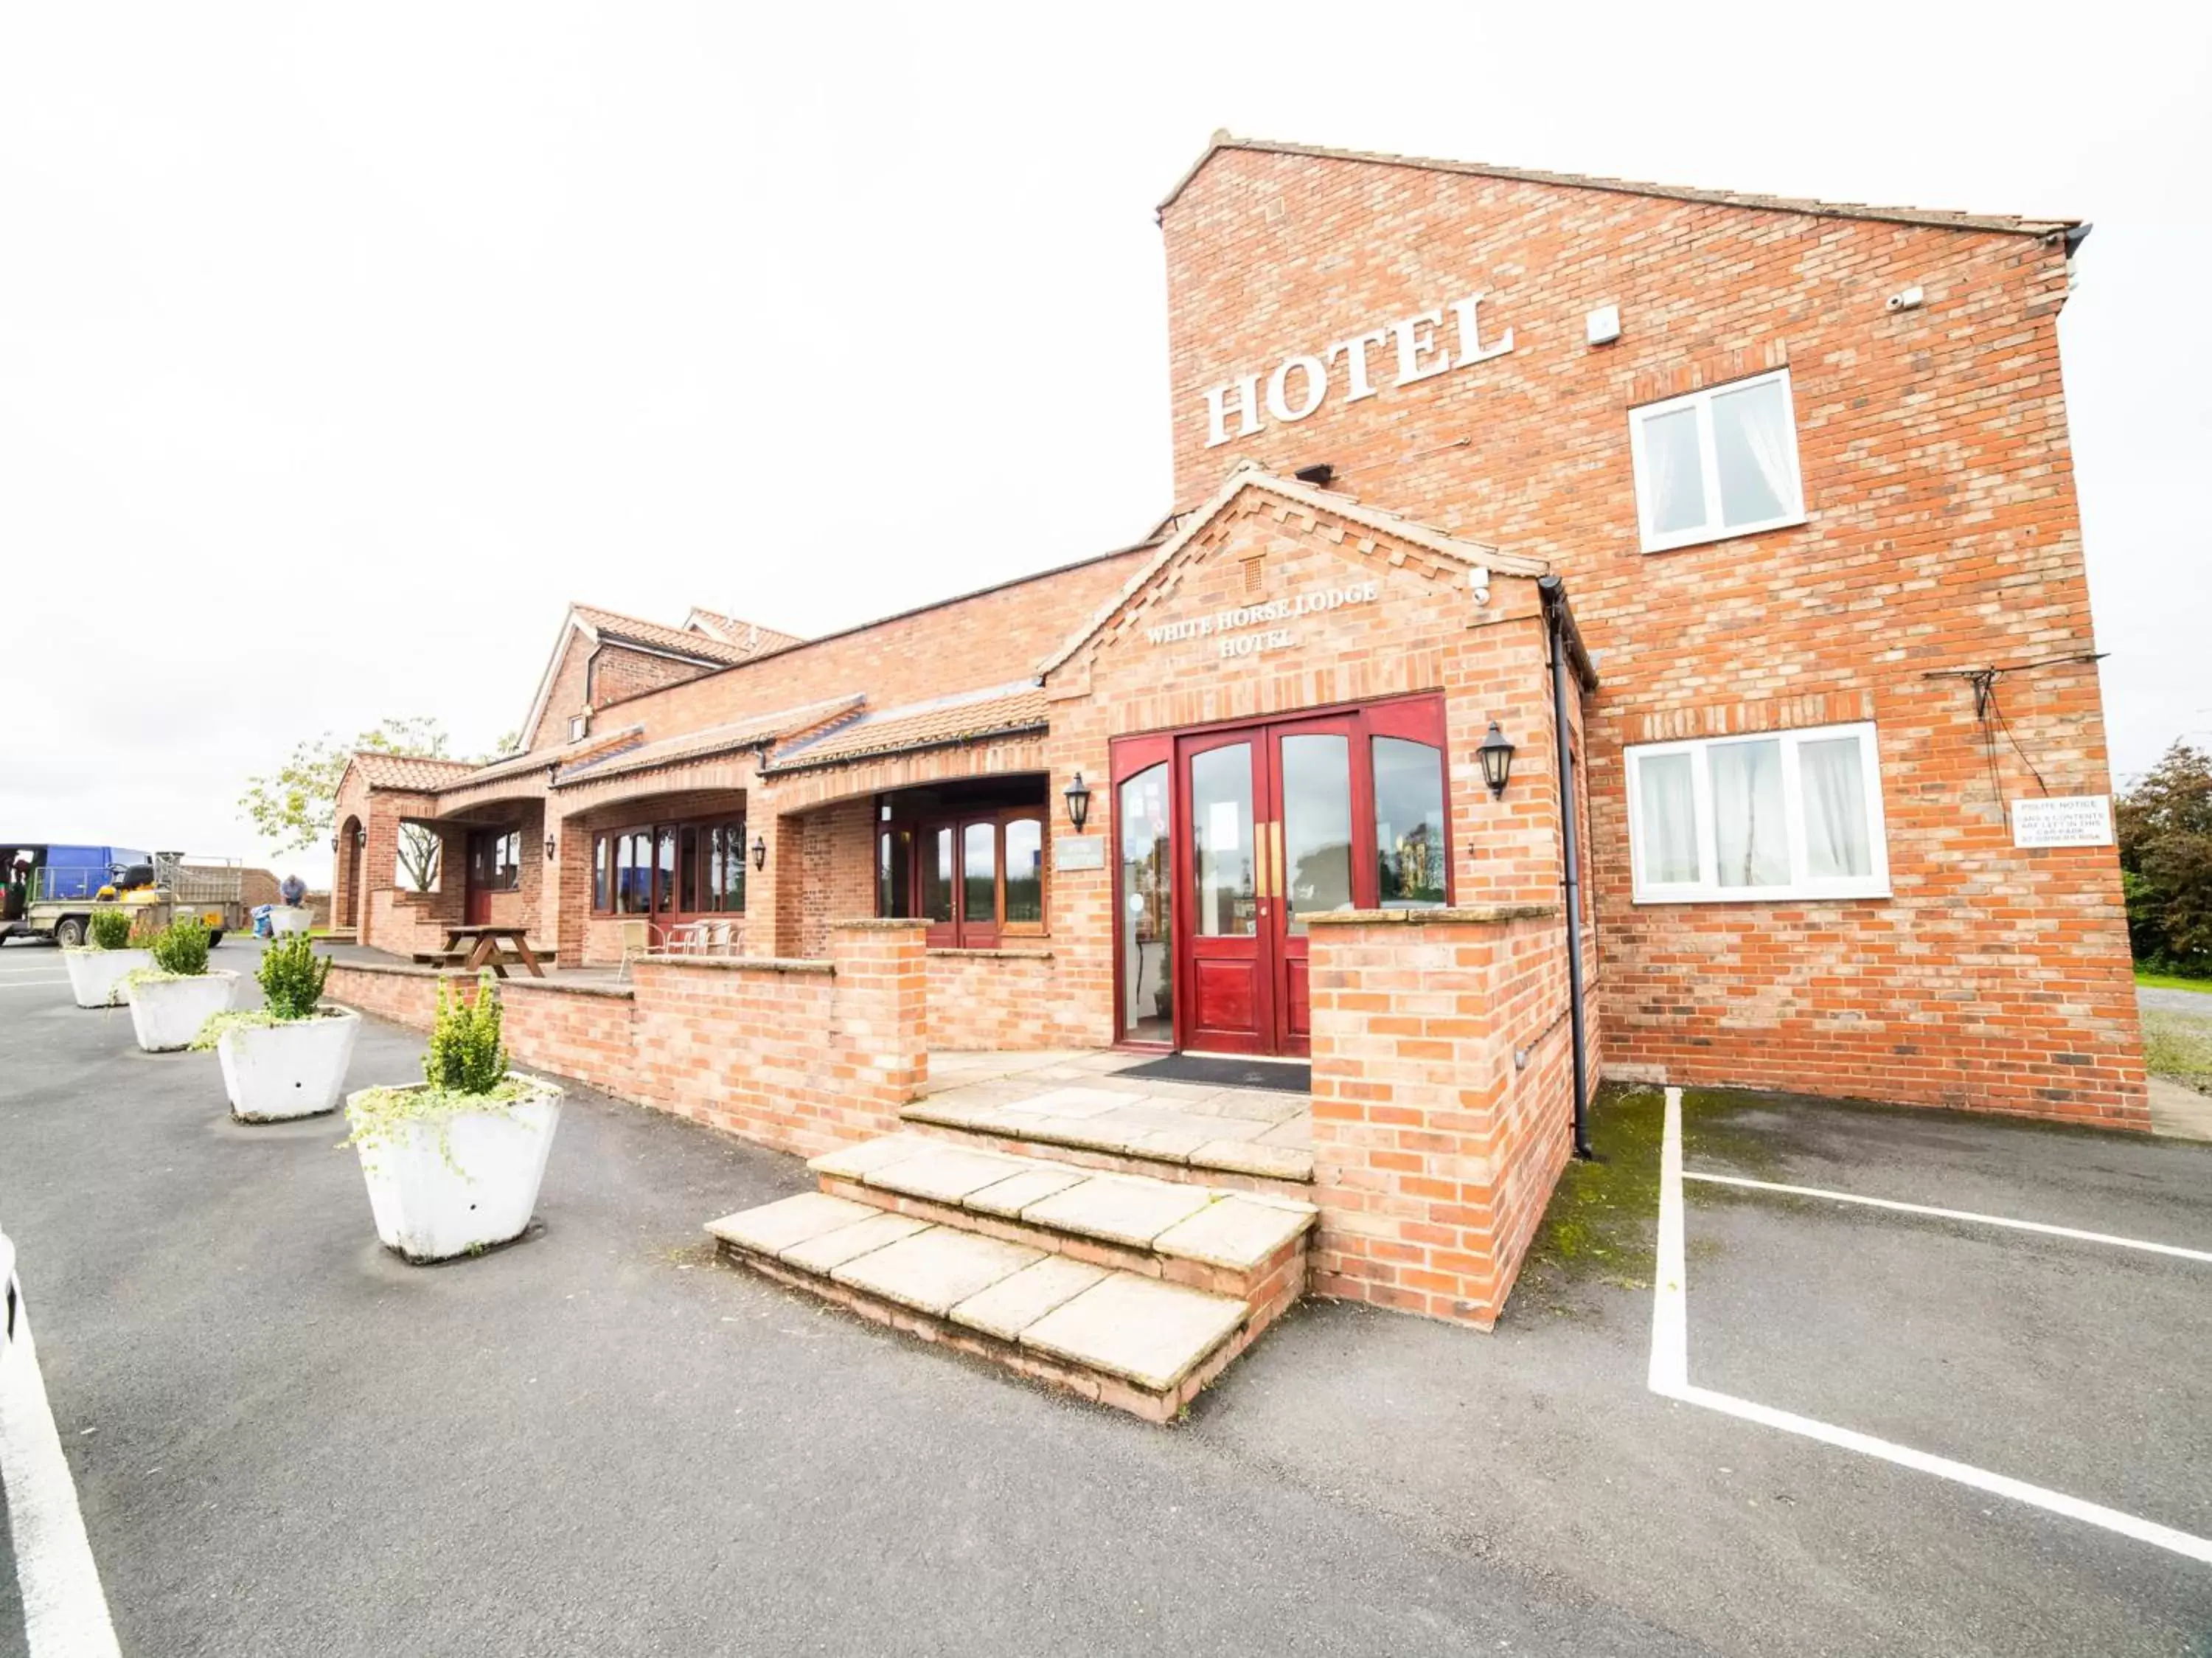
{"x": 1267, "y": 815}
{"x": 1264, "y": 825}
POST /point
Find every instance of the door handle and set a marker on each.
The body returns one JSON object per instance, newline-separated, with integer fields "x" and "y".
{"x": 1260, "y": 860}
{"x": 1275, "y": 837}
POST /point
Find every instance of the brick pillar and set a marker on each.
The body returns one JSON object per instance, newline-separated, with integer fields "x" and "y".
{"x": 345, "y": 876}
{"x": 566, "y": 906}
{"x": 376, "y": 864}
{"x": 879, "y": 1017}
{"x": 447, "y": 902}
{"x": 785, "y": 879}
{"x": 1443, "y": 1090}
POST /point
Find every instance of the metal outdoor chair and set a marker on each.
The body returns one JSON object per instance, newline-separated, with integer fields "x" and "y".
{"x": 637, "y": 941}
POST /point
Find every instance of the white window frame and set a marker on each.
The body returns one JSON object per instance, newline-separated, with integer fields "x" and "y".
{"x": 1801, "y": 886}
{"x": 1709, "y": 461}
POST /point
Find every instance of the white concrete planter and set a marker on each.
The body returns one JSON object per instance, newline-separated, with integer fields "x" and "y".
{"x": 283, "y": 920}
{"x": 167, "y": 1013}
{"x": 93, "y": 974}
{"x": 277, "y": 1072}
{"x": 430, "y": 1209}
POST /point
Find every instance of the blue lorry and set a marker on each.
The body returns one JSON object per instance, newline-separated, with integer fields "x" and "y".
{"x": 49, "y": 890}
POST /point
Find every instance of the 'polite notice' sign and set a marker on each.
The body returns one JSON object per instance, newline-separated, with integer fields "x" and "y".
{"x": 2062, "y": 820}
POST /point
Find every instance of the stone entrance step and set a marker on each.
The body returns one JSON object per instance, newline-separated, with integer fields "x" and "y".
{"x": 1133, "y": 1292}
{"x": 1276, "y": 1158}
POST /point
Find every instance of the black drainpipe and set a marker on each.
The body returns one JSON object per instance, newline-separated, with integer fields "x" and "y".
{"x": 1556, "y": 624}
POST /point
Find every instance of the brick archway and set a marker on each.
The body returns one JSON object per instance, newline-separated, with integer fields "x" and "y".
{"x": 346, "y": 875}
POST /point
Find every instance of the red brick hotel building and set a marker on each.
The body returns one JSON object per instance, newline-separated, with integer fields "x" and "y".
{"x": 1748, "y": 524}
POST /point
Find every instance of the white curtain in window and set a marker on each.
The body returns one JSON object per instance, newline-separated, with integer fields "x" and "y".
{"x": 1757, "y": 452}
{"x": 1834, "y": 784}
{"x": 1678, "y": 488}
{"x": 1667, "y": 808}
{"x": 1750, "y": 833}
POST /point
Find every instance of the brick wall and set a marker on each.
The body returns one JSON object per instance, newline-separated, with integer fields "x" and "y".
{"x": 567, "y": 697}
{"x": 1424, "y": 633}
{"x": 980, "y": 1000}
{"x": 1942, "y": 533}
{"x": 802, "y": 1056}
{"x": 619, "y": 674}
{"x": 1435, "y": 1146}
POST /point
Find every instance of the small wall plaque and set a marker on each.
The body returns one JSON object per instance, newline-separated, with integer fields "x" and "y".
{"x": 1078, "y": 852}
{"x": 2062, "y": 820}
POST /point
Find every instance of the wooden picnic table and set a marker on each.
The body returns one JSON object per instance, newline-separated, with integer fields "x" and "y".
{"x": 493, "y": 947}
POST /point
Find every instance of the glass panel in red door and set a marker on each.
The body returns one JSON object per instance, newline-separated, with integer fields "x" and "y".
{"x": 979, "y": 886}
{"x": 937, "y": 886}
{"x": 1147, "y": 909}
{"x": 1313, "y": 818}
{"x": 1227, "y": 959}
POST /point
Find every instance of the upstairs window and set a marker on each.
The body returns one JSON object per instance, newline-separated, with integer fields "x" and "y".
{"x": 1785, "y": 815}
{"x": 1716, "y": 463}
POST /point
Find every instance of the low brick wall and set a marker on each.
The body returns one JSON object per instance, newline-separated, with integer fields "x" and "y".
{"x": 404, "y": 922}
{"x": 802, "y": 1056}
{"x": 1443, "y": 1101}
{"x": 1009, "y": 998}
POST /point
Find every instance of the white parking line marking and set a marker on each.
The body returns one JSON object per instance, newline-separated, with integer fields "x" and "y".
{"x": 65, "y": 1610}
{"x": 2048, "y": 1230}
{"x": 31, "y": 984}
{"x": 1670, "y": 1297}
{"x": 1670, "y": 1379}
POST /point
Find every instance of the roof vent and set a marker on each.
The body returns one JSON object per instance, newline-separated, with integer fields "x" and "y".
{"x": 1320, "y": 476}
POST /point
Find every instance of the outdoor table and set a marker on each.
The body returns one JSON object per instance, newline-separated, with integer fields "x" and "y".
{"x": 495, "y": 948}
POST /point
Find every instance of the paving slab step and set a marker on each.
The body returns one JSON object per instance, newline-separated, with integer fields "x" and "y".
{"x": 1124, "y": 1339}
{"x": 1200, "y": 1235}
{"x": 1076, "y": 1126}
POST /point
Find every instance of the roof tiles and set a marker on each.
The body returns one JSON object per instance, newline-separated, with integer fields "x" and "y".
{"x": 967, "y": 716}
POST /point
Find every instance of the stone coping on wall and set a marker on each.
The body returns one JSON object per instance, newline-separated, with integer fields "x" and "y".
{"x": 463, "y": 975}
{"x": 768, "y": 964}
{"x": 1483, "y": 915}
{"x": 993, "y": 956}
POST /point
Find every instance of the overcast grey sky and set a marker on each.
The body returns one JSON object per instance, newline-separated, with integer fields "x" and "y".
{"x": 341, "y": 347}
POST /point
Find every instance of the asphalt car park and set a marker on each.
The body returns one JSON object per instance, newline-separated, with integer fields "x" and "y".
{"x": 2031, "y": 1304}
{"x": 598, "y": 1441}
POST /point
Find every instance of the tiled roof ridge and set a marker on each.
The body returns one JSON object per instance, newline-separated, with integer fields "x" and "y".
{"x": 1015, "y": 706}
{"x": 720, "y": 738}
{"x": 1937, "y": 218}
{"x": 624, "y": 629}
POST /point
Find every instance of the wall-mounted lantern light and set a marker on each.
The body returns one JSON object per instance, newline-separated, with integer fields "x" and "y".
{"x": 760, "y": 853}
{"x": 1079, "y": 802}
{"x": 334, "y": 843}
{"x": 1497, "y": 757}
{"x": 549, "y": 844}
{"x": 361, "y": 836}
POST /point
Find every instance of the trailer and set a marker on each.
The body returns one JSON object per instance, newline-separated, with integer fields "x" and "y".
{"x": 56, "y": 901}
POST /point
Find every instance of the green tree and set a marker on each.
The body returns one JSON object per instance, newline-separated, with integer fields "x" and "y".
{"x": 296, "y": 806}
{"x": 2164, "y": 824}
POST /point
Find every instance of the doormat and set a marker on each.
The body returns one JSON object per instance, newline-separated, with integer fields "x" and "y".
{"x": 1224, "y": 1072}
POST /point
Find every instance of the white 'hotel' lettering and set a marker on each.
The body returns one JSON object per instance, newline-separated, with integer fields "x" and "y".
{"x": 1413, "y": 340}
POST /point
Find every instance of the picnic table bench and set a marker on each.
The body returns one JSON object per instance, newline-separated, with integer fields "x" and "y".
{"x": 475, "y": 948}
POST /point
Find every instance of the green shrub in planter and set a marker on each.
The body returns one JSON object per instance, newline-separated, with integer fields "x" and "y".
{"x": 465, "y": 1055}
{"x": 109, "y": 930}
{"x": 181, "y": 950}
{"x": 291, "y": 977}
